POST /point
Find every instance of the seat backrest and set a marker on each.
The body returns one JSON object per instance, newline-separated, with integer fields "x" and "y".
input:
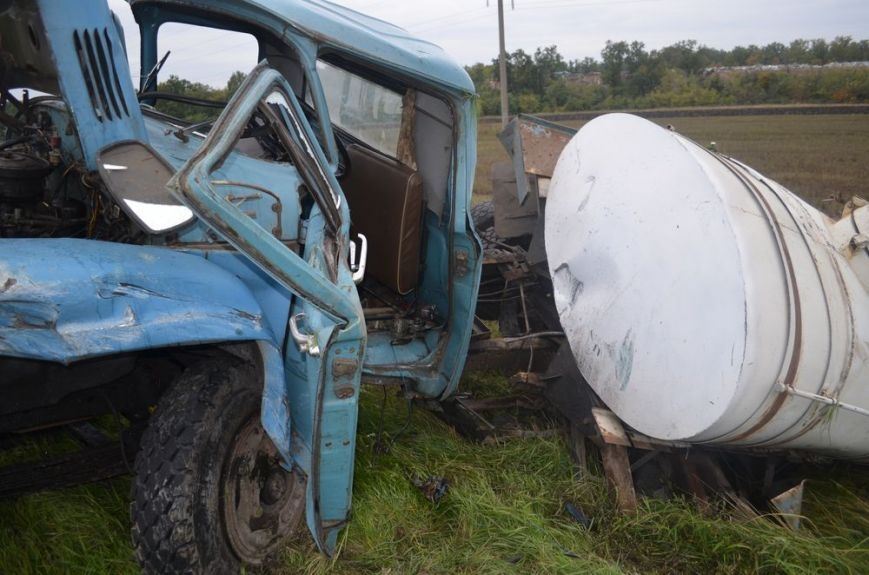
{"x": 386, "y": 205}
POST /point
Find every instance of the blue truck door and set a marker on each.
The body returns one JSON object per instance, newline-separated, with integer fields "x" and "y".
{"x": 326, "y": 336}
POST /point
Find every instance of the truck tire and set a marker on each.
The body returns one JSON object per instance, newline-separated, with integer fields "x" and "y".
{"x": 209, "y": 494}
{"x": 483, "y": 215}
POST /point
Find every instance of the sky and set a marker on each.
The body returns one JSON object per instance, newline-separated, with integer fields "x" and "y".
{"x": 468, "y": 29}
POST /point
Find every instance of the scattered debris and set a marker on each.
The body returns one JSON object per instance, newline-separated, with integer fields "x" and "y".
{"x": 790, "y": 505}
{"x": 434, "y": 488}
{"x": 577, "y": 515}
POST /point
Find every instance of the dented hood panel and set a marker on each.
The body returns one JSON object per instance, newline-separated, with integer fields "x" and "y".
{"x": 65, "y": 300}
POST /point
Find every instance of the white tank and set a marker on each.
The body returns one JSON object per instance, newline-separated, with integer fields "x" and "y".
{"x": 704, "y": 302}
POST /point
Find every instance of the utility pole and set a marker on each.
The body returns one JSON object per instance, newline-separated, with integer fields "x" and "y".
{"x": 505, "y": 101}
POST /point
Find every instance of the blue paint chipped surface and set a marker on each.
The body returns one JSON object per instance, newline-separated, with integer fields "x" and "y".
{"x": 71, "y": 299}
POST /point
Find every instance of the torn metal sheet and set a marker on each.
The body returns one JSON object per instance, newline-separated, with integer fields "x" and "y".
{"x": 790, "y": 505}
{"x": 512, "y": 218}
{"x": 535, "y": 146}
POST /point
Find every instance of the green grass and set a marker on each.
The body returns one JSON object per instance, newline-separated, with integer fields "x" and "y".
{"x": 816, "y": 156}
{"x": 504, "y": 511}
{"x": 503, "y": 514}
{"x": 85, "y": 529}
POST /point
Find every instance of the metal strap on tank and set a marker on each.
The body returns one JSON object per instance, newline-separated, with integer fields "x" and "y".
{"x": 796, "y": 323}
{"x": 786, "y": 387}
{"x": 833, "y": 394}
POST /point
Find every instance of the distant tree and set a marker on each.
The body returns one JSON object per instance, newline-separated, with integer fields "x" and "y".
{"x": 755, "y": 55}
{"x": 820, "y": 51}
{"x": 799, "y": 52}
{"x": 844, "y": 49}
{"x": 548, "y": 62}
{"x": 775, "y": 53}
{"x": 613, "y": 58}
{"x": 585, "y": 66}
{"x": 683, "y": 55}
{"x": 738, "y": 56}
{"x": 521, "y": 73}
{"x": 193, "y": 113}
{"x": 234, "y": 83}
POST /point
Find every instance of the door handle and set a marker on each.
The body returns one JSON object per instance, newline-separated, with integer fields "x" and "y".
{"x": 359, "y": 271}
{"x": 306, "y": 342}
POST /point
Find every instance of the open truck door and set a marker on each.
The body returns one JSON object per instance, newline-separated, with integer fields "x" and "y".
{"x": 325, "y": 340}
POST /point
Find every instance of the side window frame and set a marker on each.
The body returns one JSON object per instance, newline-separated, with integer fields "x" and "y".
{"x": 332, "y": 59}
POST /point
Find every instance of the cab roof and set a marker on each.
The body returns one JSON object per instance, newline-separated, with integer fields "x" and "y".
{"x": 347, "y": 30}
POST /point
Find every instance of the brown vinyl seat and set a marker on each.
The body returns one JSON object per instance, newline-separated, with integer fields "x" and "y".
{"x": 386, "y": 205}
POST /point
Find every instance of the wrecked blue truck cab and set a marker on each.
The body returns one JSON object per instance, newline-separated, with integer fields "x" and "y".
{"x": 227, "y": 285}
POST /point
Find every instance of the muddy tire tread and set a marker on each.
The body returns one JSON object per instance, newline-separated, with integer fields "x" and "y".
{"x": 166, "y": 484}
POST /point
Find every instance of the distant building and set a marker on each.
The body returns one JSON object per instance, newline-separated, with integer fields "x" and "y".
{"x": 725, "y": 71}
{"x": 587, "y": 79}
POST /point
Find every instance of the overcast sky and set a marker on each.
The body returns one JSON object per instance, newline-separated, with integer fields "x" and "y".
{"x": 468, "y": 29}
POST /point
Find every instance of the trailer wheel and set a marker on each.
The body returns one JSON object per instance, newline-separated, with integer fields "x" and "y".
{"x": 483, "y": 215}
{"x": 209, "y": 492}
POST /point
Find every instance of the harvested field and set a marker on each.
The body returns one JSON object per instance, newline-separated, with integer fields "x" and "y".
{"x": 822, "y": 158}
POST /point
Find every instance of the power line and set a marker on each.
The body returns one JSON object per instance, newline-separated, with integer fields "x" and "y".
{"x": 194, "y": 43}
{"x": 441, "y": 18}
{"x": 452, "y": 23}
{"x": 198, "y": 54}
{"x": 545, "y": 4}
{"x": 460, "y": 18}
{"x": 370, "y": 6}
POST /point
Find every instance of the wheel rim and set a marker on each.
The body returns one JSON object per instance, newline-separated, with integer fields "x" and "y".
{"x": 262, "y": 502}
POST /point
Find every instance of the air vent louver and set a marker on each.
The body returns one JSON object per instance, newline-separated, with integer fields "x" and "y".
{"x": 96, "y": 58}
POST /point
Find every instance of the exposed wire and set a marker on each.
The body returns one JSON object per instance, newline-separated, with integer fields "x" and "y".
{"x": 539, "y": 334}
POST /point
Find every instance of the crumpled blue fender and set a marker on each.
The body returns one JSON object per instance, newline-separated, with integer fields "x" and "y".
{"x": 65, "y": 300}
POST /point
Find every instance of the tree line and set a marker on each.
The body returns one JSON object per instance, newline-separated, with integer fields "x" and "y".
{"x": 192, "y": 113}
{"x": 627, "y": 75}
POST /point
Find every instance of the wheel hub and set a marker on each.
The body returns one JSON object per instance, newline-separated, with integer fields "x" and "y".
{"x": 262, "y": 502}
{"x": 275, "y": 487}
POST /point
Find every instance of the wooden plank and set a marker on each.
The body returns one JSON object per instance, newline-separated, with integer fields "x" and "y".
{"x": 617, "y": 468}
{"x": 641, "y": 441}
{"x": 610, "y": 428}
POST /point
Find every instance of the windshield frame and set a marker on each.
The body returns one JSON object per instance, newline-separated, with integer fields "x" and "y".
{"x": 150, "y": 20}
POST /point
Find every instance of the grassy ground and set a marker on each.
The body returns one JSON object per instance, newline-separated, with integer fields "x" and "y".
{"x": 817, "y": 157}
{"x": 504, "y": 511}
{"x": 502, "y": 514}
